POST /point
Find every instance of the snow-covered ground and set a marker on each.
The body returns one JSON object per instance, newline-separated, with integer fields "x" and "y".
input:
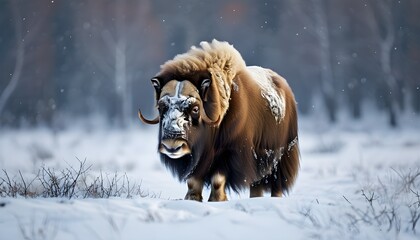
{"x": 343, "y": 167}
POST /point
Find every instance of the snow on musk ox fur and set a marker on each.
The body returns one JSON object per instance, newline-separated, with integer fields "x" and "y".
{"x": 225, "y": 124}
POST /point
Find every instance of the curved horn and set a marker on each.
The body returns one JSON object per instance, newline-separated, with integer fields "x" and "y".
{"x": 206, "y": 118}
{"x": 143, "y": 119}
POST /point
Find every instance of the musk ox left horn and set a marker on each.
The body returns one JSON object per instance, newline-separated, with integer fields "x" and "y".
{"x": 143, "y": 119}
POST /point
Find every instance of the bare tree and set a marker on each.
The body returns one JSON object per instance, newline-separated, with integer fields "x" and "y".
{"x": 407, "y": 48}
{"x": 383, "y": 17}
{"x": 108, "y": 49}
{"x": 20, "y": 54}
{"x": 28, "y": 95}
{"x": 119, "y": 39}
{"x": 327, "y": 79}
{"x": 119, "y": 43}
{"x": 315, "y": 19}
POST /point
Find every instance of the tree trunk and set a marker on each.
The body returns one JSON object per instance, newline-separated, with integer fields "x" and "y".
{"x": 122, "y": 82}
{"x": 327, "y": 85}
{"x": 20, "y": 54}
{"x": 386, "y": 45}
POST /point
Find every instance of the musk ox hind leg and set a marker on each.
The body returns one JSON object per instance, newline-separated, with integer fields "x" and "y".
{"x": 276, "y": 188}
{"x": 195, "y": 188}
{"x": 285, "y": 176}
{"x": 218, "y": 184}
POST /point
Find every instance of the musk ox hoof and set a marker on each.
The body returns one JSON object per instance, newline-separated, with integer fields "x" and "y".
{"x": 217, "y": 198}
{"x": 194, "y": 196}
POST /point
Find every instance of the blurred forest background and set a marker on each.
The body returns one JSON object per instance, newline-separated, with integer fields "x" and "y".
{"x": 74, "y": 59}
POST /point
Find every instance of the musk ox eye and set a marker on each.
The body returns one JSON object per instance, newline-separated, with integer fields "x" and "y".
{"x": 195, "y": 110}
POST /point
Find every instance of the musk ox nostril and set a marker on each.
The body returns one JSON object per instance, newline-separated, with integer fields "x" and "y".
{"x": 172, "y": 149}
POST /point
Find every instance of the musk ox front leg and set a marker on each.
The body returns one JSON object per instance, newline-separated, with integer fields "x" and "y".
{"x": 256, "y": 190}
{"x": 218, "y": 184}
{"x": 195, "y": 188}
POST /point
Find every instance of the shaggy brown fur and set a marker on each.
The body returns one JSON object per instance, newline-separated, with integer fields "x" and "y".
{"x": 253, "y": 139}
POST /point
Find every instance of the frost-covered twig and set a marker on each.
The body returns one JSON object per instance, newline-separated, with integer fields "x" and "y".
{"x": 71, "y": 183}
{"x": 387, "y": 204}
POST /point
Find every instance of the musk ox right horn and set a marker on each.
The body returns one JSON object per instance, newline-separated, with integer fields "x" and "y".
{"x": 206, "y": 118}
{"x": 143, "y": 119}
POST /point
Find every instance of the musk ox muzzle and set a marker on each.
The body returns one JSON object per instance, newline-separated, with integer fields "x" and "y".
{"x": 173, "y": 142}
{"x": 174, "y": 127}
{"x": 174, "y": 148}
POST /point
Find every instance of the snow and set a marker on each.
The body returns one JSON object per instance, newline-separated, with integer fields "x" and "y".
{"x": 338, "y": 161}
{"x": 275, "y": 100}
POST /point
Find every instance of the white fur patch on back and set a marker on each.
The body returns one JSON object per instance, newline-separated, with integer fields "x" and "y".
{"x": 275, "y": 100}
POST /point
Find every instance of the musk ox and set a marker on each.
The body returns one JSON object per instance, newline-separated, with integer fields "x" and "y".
{"x": 224, "y": 124}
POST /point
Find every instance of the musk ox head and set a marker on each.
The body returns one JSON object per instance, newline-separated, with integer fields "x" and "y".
{"x": 182, "y": 115}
